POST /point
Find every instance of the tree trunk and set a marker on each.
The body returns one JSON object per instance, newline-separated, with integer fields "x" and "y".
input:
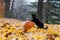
{"x": 47, "y": 8}
{"x": 39, "y": 9}
{"x": 2, "y": 8}
{"x": 11, "y": 10}
{"x": 7, "y": 6}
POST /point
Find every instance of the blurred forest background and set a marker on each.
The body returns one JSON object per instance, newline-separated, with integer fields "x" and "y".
{"x": 48, "y": 11}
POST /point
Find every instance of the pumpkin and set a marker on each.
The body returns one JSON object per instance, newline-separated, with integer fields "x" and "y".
{"x": 28, "y": 25}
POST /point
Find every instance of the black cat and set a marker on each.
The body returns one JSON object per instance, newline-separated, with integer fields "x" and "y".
{"x": 37, "y": 22}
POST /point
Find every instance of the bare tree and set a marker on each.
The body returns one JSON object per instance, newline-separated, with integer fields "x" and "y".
{"x": 46, "y": 14}
{"x": 19, "y": 9}
{"x": 7, "y": 5}
{"x": 39, "y": 9}
{"x": 2, "y": 8}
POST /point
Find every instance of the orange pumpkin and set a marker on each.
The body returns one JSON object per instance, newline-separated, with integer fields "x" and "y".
{"x": 28, "y": 25}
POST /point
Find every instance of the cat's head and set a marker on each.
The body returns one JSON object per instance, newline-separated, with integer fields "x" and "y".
{"x": 33, "y": 15}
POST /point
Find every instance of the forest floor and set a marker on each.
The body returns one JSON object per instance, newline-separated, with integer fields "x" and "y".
{"x": 12, "y": 29}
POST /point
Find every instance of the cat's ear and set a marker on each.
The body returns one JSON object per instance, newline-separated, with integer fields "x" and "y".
{"x": 33, "y": 15}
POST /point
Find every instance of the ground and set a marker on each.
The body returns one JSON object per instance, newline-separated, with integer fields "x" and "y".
{"x": 12, "y": 29}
